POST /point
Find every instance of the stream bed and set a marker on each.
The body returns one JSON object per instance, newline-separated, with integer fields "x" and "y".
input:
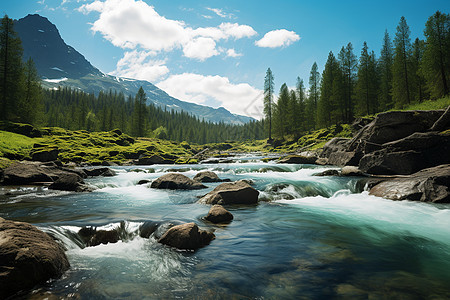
{"x": 308, "y": 237}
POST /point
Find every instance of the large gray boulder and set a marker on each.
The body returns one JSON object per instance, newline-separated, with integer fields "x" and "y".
{"x": 428, "y": 185}
{"x": 21, "y": 173}
{"x": 28, "y": 257}
{"x": 298, "y": 159}
{"x": 176, "y": 181}
{"x": 70, "y": 182}
{"x": 186, "y": 237}
{"x": 154, "y": 160}
{"x": 239, "y": 192}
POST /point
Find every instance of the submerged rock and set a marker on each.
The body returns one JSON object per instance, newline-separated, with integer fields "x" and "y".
{"x": 176, "y": 181}
{"x": 239, "y": 192}
{"x": 428, "y": 185}
{"x": 218, "y": 214}
{"x": 186, "y": 237}
{"x": 93, "y": 237}
{"x": 143, "y": 181}
{"x": 28, "y": 257}
{"x": 208, "y": 176}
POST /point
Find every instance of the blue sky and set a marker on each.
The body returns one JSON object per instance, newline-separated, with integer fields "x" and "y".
{"x": 215, "y": 52}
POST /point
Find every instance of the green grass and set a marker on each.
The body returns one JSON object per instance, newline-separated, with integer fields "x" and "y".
{"x": 441, "y": 103}
{"x": 15, "y": 146}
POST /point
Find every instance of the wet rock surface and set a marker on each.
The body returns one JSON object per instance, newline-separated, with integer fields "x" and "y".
{"x": 239, "y": 192}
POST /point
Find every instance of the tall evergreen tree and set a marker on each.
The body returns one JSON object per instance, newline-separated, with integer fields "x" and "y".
{"x": 301, "y": 106}
{"x": 280, "y": 120}
{"x": 367, "y": 86}
{"x": 11, "y": 69}
{"x": 140, "y": 113}
{"x": 349, "y": 67}
{"x": 326, "y": 108}
{"x": 385, "y": 70}
{"x": 314, "y": 95}
{"x": 268, "y": 100}
{"x": 436, "y": 57}
{"x": 31, "y": 102}
{"x": 418, "y": 80}
{"x": 401, "y": 69}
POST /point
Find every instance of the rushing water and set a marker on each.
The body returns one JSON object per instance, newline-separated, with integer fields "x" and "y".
{"x": 308, "y": 238}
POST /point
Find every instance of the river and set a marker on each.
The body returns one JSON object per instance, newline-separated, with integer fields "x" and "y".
{"x": 308, "y": 237}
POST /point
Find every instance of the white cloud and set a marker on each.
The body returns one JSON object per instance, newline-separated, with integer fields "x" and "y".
{"x": 200, "y": 48}
{"x": 233, "y": 53}
{"x": 131, "y": 24}
{"x": 139, "y": 65}
{"x": 277, "y": 38}
{"x": 238, "y": 98}
{"x": 220, "y": 12}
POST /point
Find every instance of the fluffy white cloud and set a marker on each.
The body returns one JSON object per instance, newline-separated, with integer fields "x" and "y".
{"x": 200, "y": 48}
{"x": 277, "y": 38}
{"x": 233, "y": 53}
{"x": 133, "y": 23}
{"x": 139, "y": 65}
{"x": 238, "y": 98}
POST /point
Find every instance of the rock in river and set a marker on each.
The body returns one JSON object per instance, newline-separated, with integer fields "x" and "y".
{"x": 218, "y": 214}
{"x": 239, "y": 192}
{"x": 28, "y": 257}
{"x": 208, "y": 176}
{"x": 176, "y": 181}
{"x": 186, "y": 237}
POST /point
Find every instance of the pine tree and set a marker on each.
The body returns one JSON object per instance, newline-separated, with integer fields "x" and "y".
{"x": 280, "y": 121}
{"x": 418, "y": 79}
{"x": 301, "y": 106}
{"x": 31, "y": 102}
{"x": 367, "y": 86}
{"x": 436, "y": 57}
{"x": 314, "y": 95}
{"x": 401, "y": 69}
{"x": 349, "y": 66}
{"x": 140, "y": 113}
{"x": 11, "y": 70}
{"x": 268, "y": 100}
{"x": 385, "y": 70}
{"x": 326, "y": 106}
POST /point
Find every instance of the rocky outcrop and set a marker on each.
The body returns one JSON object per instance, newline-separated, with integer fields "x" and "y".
{"x": 298, "y": 159}
{"x": 428, "y": 185}
{"x": 28, "y": 257}
{"x": 239, "y": 192}
{"x": 208, "y": 176}
{"x": 396, "y": 142}
{"x": 45, "y": 155}
{"x": 33, "y": 173}
{"x": 176, "y": 181}
{"x": 186, "y": 237}
{"x": 218, "y": 214}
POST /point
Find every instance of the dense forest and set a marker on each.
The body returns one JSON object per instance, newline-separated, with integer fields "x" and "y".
{"x": 405, "y": 72}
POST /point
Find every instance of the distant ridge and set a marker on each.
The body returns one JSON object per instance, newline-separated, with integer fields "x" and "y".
{"x": 61, "y": 65}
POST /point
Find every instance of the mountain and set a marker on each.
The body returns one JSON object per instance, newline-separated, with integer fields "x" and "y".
{"x": 59, "y": 64}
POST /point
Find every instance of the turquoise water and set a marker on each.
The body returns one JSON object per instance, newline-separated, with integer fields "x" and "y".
{"x": 308, "y": 238}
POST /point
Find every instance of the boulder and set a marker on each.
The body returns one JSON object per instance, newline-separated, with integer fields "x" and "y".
{"x": 22, "y": 173}
{"x": 186, "y": 237}
{"x": 176, "y": 181}
{"x": 298, "y": 159}
{"x": 45, "y": 155}
{"x": 391, "y": 163}
{"x": 335, "y": 145}
{"x": 153, "y": 160}
{"x": 105, "y": 172}
{"x": 239, "y": 192}
{"x": 70, "y": 182}
{"x": 328, "y": 173}
{"x": 93, "y": 237}
{"x": 28, "y": 257}
{"x": 428, "y": 185}
{"x": 344, "y": 158}
{"x": 351, "y": 171}
{"x": 208, "y": 176}
{"x": 218, "y": 214}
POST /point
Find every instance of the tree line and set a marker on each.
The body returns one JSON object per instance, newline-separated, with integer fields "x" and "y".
{"x": 405, "y": 72}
